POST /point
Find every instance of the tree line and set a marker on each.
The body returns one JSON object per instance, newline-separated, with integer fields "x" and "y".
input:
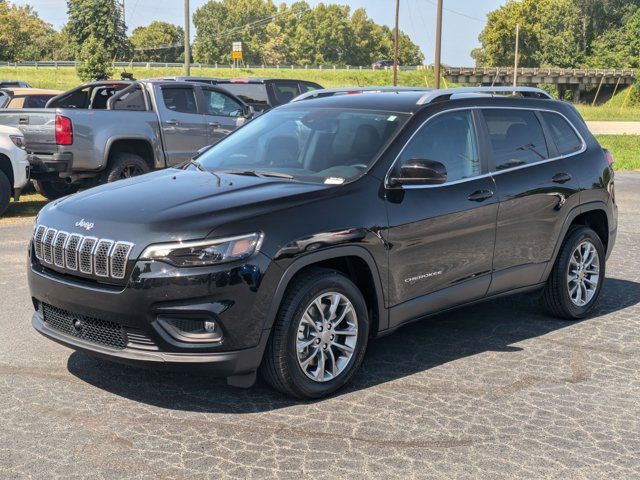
{"x": 297, "y": 34}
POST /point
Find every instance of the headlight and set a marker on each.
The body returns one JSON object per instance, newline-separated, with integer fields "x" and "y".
{"x": 17, "y": 140}
{"x": 204, "y": 252}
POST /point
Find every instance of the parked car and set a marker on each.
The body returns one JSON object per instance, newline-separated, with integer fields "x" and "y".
{"x": 26, "y": 97}
{"x": 13, "y": 83}
{"x": 261, "y": 93}
{"x": 323, "y": 224}
{"x": 109, "y": 130}
{"x": 382, "y": 64}
{"x": 14, "y": 166}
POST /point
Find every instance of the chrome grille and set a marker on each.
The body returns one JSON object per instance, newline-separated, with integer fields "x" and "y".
{"x": 89, "y": 255}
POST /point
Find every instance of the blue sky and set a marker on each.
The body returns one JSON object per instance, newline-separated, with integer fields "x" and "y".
{"x": 463, "y": 19}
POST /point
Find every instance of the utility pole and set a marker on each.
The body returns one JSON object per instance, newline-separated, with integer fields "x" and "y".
{"x": 438, "y": 45}
{"x": 187, "y": 39}
{"x": 515, "y": 69}
{"x": 395, "y": 46}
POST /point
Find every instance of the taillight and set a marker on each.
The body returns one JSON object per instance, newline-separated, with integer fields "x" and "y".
{"x": 64, "y": 130}
{"x": 609, "y": 156}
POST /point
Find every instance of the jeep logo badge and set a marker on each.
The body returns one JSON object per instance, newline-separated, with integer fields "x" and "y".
{"x": 84, "y": 224}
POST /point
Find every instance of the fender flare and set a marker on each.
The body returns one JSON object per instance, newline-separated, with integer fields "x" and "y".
{"x": 137, "y": 138}
{"x": 315, "y": 257}
{"x": 571, "y": 216}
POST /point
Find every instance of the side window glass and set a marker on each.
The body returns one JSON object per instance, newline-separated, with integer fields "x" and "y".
{"x": 306, "y": 87}
{"x": 450, "y": 139}
{"x": 180, "y": 100}
{"x": 132, "y": 100}
{"x": 563, "y": 134}
{"x": 285, "y": 91}
{"x": 220, "y": 104}
{"x": 516, "y": 137}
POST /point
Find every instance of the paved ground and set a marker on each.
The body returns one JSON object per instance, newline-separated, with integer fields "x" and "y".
{"x": 614, "y": 128}
{"x": 495, "y": 391}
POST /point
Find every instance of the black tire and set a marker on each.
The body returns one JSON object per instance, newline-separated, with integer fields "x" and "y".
{"x": 5, "y": 193}
{"x": 125, "y": 165}
{"x": 555, "y": 296}
{"x": 280, "y": 367}
{"x": 54, "y": 189}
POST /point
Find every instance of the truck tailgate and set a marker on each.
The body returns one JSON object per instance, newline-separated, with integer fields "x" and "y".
{"x": 38, "y": 126}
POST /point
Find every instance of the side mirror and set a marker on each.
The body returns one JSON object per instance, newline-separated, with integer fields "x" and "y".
{"x": 248, "y": 111}
{"x": 421, "y": 172}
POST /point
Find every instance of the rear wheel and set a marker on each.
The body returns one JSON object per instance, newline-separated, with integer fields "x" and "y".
{"x": 5, "y": 192}
{"x": 54, "y": 189}
{"x": 319, "y": 338}
{"x": 575, "y": 283}
{"x": 125, "y": 165}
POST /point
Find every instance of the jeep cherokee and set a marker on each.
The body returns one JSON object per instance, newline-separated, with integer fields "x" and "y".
{"x": 325, "y": 223}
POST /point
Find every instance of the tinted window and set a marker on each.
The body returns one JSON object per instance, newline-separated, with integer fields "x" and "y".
{"x": 218, "y": 103}
{"x": 562, "y": 133}
{"x": 516, "y": 136}
{"x": 284, "y": 92}
{"x": 254, "y": 94}
{"x": 449, "y": 139}
{"x": 133, "y": 100}
{"x": 180, "y": 100}
{"x": 36, "y": 101}
{"x": 307, "y": 87}
{"x": 317, "y": 145}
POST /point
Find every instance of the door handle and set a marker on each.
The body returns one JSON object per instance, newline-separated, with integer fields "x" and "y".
{"x": 23, "y": 121}
{"x": 173, "y": 123}
{"x": 561, "y": 178}
{"x": 480, "y": 195}
{"x": 214, "y": 124}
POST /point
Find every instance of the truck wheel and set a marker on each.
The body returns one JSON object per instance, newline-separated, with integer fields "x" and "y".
{"x": 125, "y": 165}
{"x": 319, "y": 337}
{"x": 576, "y": 280}
{"x": 54, "y": 189}
{"x": 5, "y": 192}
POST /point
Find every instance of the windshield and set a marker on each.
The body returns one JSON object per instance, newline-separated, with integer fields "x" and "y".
{"x": 323, "y": 145}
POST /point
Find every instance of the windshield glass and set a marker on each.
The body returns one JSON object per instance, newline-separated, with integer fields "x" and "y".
{"x": 323, "y": 145}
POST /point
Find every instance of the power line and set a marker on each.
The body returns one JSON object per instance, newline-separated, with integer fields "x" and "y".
{"x": 458, "y": 13}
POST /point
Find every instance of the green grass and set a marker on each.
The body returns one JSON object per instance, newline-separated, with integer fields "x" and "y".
{"x": 64, "y": 78}
{"x": 625, "y": 149}
{"x": 28, "y": 206}
{"x": 610, "y": 113}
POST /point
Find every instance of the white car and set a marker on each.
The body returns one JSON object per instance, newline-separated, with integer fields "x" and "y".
{"x": 14, "y": 166}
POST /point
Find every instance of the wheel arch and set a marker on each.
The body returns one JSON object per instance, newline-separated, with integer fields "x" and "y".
{"x": 356, "y": 263}
{"x": 136, "y": 145}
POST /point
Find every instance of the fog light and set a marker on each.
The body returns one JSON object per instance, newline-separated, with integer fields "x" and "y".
{"x": 191, "y": 329}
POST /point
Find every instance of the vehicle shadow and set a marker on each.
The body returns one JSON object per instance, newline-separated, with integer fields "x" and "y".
{"x": 491, "y": 326}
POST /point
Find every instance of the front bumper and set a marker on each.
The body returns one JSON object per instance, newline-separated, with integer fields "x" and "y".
{"x": 235, "y": 297}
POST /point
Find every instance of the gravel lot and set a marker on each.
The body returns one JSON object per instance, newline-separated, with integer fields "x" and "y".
{"x": 498, "y": 390}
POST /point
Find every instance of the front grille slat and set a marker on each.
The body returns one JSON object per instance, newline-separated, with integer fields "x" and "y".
{"x": 95, "y": 330}
{"x": 102, "y": 258}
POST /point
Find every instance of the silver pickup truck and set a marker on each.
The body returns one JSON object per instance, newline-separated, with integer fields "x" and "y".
{"x": 107, "y": 130}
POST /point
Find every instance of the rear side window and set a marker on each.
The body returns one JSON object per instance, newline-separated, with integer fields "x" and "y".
{"x": 180, "y": 100}
{"x": 450, "y": 139}
{"x": 516, "y": 137}
{"x": 566, "y": 138}
{"x": 307, "y": 87}
{"x": 284, "y": 92}
{"x": 254, "y": 94}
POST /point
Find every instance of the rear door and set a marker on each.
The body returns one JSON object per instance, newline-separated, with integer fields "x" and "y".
{"x": 223, "y": 114}
{"x": 535, "y": 189}
{"x": 442, "y": 237}
{"x": 183, "y": 126}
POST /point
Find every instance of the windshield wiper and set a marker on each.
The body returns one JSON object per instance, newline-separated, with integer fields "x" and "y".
{"x": 200, "y": 167}
{"x": 260, "y": 173}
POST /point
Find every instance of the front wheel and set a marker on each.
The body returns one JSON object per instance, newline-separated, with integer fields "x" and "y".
{"x": 5, "y": 192}
{"x": 575, "y": 283}
{"x": 319, "y": 338}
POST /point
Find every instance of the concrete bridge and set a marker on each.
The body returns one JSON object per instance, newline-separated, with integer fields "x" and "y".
{"x": 575, "y": 80}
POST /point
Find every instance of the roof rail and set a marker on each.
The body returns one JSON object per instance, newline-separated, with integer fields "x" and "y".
{"x": 330, "y": 92}
{"x": 447, "y": 93}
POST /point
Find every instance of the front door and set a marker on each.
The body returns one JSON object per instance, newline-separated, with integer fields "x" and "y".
{"x": 535, "y": 188}
{"x": 223, "y": 114}
{"x": 183, "y": 127}
{"x": 441, "y": 237}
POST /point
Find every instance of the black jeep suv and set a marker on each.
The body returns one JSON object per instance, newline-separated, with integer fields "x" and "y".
{"x": 325, "y": 223}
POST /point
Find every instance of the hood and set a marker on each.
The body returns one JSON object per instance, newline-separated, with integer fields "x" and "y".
{"x": 171, "y": 205}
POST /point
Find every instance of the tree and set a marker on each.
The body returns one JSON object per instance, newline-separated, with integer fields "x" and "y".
{"x": 619, "y": 48}
{"x": 274, "y": 51}
{"x": 23, "y": 35}
{"x": 101, "y": 19}
{"x": 94, "y": 61}
{"x": 158, "y": 42}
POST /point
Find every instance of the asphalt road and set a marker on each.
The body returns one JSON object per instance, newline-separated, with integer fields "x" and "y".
{"x": 499, "y": 390}
{"x": 614, "y": 128}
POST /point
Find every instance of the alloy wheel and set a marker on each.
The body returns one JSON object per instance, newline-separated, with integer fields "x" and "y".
{"x": 583, "y": 273}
